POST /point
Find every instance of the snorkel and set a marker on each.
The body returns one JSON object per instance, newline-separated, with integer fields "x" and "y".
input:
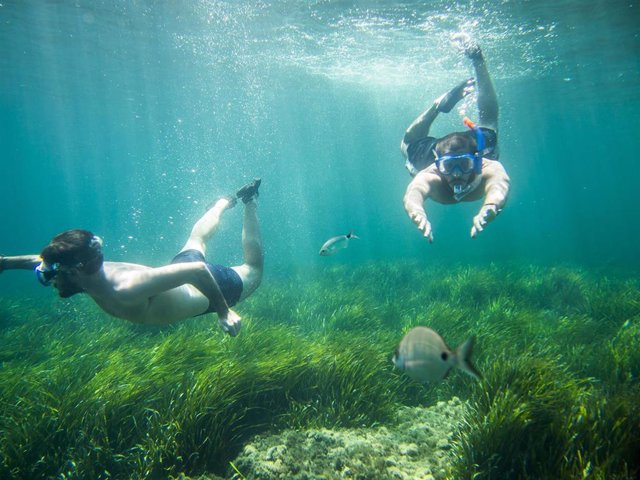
{"x": 480, "y": 144}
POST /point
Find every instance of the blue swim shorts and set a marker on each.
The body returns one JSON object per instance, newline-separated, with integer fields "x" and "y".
{"x": 227, "y": 278}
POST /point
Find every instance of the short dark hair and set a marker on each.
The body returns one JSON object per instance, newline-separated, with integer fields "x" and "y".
{"x": 75, "y": 248}
{"x": 456, "y": 143}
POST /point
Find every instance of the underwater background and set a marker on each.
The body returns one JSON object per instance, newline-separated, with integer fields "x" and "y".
{"x": 128, "y": 118}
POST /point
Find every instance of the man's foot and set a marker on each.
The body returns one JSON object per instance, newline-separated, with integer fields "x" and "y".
{"x": 230, "y": 198}
{"x": 249, "y": 191}
{"x": 453, "y": 96}
{"x": 467, "y": 45}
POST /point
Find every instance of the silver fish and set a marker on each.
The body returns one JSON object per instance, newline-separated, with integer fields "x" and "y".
{"x": 423, "y": 355}
{"x": 335, "y": 244}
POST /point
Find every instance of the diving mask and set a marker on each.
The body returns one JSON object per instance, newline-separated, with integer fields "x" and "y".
{"x": 465, "y": 163}
{"x": 46, "y": 273}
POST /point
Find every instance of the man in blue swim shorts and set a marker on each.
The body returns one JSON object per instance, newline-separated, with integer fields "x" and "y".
{"x": 461, "y": 166}
{"x": 189, "y": 286}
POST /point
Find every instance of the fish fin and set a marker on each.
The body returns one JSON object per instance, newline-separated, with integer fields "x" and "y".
{"x": 352, "y": 235}
{"x": 463, "y": 354}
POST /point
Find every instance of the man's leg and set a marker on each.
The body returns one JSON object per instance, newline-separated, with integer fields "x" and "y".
{"x": 487, "y": 99}
{"x": 251, "y": 270}
{"x": 207, "y": 225}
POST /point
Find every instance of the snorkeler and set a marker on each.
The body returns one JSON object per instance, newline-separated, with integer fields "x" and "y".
{"x": 189, "y": 286}
{"x": 461, "y": 166}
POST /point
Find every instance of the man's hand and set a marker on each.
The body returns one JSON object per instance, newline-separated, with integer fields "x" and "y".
{"x": 486, "y": 215}
{"x": 420, "y": 219}
{"x": 231, "y": 323}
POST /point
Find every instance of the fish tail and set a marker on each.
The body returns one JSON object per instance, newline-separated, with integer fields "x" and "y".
{"x": 463, "y": 353}
{"x": 352, "y": 235}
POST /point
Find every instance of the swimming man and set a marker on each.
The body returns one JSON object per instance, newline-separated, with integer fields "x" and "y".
{"x": 189, "y": 286}
{"x": 461, "y": 166}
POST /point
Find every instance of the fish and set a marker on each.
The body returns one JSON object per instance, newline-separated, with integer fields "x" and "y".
{"x": 335, "y": 244}
{"x": 424, "y": 356}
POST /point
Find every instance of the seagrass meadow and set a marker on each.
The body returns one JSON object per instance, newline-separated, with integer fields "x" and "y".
{"x": 83, "y": 395}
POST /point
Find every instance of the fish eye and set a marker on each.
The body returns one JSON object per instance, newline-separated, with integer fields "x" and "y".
{"x": 444, "y": 356}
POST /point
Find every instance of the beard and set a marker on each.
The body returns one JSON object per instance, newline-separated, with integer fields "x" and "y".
{"x": 66, "y": 287}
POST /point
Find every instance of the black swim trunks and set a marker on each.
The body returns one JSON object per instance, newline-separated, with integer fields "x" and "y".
{"x": 420, "y": 153}
{"x": 227, "y": 278}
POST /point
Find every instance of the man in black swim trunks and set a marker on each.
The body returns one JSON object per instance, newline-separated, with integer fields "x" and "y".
{"x": 462, "y": 166}
{"x": 187, "y": 287}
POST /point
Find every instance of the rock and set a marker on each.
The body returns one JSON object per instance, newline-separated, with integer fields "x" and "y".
{"x": 415, "y": 446}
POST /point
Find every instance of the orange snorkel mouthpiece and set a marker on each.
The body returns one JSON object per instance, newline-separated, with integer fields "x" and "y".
{"x": 467, "y": 121}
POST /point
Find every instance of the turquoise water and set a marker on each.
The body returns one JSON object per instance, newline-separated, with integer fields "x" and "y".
{"x": 128, "y": 118}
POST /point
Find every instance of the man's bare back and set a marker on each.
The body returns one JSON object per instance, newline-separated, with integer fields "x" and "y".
{"x": 115, "y": 294}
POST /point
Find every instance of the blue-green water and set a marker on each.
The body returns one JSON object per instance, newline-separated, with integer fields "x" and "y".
{"x": 128, "y": 118}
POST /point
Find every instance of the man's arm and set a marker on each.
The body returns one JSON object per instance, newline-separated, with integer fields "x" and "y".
{"x": 20, "y": 262}
{"x": 497, "y": 184}
{"x": 148, "y": 283}
{"x": 417, "y": 192}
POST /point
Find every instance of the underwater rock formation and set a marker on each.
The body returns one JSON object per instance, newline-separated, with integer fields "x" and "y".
{"x": 415, "y": 446}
